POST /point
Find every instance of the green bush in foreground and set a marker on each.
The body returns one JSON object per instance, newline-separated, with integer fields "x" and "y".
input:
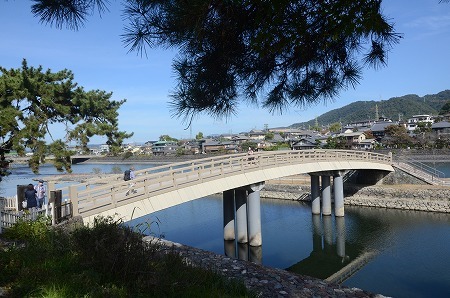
{"x": 106, "y": 260}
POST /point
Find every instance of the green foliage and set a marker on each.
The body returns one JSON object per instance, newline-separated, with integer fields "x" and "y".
{"x": 269, "y": 136}
{"x": 423, "y": 127}
{"x": 335, "y": 127}
{"x": 292, "y": 53}
{"x": 29, "y": 230}
{"x": 335, "y": 143}
{"x": 167, "y": 138}
{"x": 62, "y": 160}
{"x": 96, "y": 170}
{"x": 105, "y": 260}
{"x": 445, "y": 109}
{"x": 180, "y": 151}
{"x": 396, "y": 136}
{"x": 442, "y": 143}
{"x": 32, "y": 99}
{"x": 247, "y": 144}
{"x": 127, "y": 155}
{"x": 199, "y": 136}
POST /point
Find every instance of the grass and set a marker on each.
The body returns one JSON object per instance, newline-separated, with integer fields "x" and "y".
{"x": 105, "y": 260}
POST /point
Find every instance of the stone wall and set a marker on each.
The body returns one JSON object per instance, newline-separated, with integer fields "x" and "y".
{"x": 421, "y": 199}
{"x": 434, "y": 199}
{"x": 400, "y": 177}
{"x": 286, "y": 192}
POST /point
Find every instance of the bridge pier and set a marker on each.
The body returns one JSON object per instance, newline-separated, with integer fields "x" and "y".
{"x": 242, "y": 214}
{"x": 338, "y": 184}
{"x": 240, "y": 197}
{"x": 228, "y": 215}
{"x": 315, "y": 195}
{"x": 254, "y": 214}
{"x": 326, "y": 195}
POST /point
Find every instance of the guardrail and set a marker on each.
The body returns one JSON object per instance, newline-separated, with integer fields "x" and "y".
{"x": 421, "y": 170}
{"x": 98, "y": 195}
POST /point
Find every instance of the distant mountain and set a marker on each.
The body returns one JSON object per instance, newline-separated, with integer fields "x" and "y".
{"x": 394, "y": 108}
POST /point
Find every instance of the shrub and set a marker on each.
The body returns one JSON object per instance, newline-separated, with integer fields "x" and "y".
{"x": 105, "y": 260}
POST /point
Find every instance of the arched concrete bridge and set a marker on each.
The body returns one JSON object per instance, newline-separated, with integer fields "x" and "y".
{"x": 165, "y": 186}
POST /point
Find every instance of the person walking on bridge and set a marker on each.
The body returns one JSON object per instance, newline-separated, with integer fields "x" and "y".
{"x": 129, "y": 176}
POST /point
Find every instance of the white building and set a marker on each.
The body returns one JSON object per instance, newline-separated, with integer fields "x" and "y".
{"x": 411, "y": 125}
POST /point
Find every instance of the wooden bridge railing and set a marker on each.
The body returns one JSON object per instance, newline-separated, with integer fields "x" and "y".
{"x": 97, "y": 195}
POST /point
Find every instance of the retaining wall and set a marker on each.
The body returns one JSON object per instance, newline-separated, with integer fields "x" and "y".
{"x": 433, "y": 199}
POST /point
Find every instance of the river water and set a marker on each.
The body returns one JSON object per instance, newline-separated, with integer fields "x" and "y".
{"x": 403, "y": 253}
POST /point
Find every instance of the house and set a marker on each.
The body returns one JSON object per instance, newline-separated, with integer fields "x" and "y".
{"x": 211, "y": 146}
{"x": 367, "y": 144}
{"x": 308, "y": 143}
{"x": 441, "y": 128}
{"x": 192, "y": 146}
{"x": 416, "y": 119}
{"x": 256, "y": 134}
{"x": 164, "y": 147}
{"x": 352, "y": 139}
{"x": 360, "y": 125}
{"x": 297, "y": 134}
{"x": 104, "y": 148}
{"x": 379, "y": 127}
{"x": 239, "y": 139}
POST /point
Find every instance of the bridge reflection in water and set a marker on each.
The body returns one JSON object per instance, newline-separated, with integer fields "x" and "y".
{"x": 329, "y": 259}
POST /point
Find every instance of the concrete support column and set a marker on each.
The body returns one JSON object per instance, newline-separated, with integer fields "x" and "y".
{"x": 240, "y": 197}
{"x": 326, "y": 195}
{"x": 228, "y": 215}
{"x": 254, "y": 214}
{"x": 315, "y": 195}
{"x": 338, "y": 195}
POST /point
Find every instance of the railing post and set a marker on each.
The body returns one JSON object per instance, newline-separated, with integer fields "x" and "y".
{"x": 73, "y": 198}
{"x": 50, "y": 186}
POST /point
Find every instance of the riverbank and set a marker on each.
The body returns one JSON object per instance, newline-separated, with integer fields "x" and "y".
{"x": 418, "y": 197}
{"x": 265, "y": 281}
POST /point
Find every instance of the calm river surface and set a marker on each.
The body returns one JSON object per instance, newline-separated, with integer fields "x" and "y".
{"x": 408, "y": 252}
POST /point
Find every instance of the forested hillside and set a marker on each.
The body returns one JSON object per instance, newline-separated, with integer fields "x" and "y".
{"x": 397, "y": 107}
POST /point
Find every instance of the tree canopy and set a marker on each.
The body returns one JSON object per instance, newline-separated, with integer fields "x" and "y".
{"x": 276, "y": 54}
{"x": 32, "y": 99}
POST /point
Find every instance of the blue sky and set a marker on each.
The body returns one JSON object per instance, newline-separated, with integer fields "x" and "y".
{"x": 420, "y": 65}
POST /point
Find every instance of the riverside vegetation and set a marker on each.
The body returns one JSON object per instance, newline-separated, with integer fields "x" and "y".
{"x": 105, "y": 260}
